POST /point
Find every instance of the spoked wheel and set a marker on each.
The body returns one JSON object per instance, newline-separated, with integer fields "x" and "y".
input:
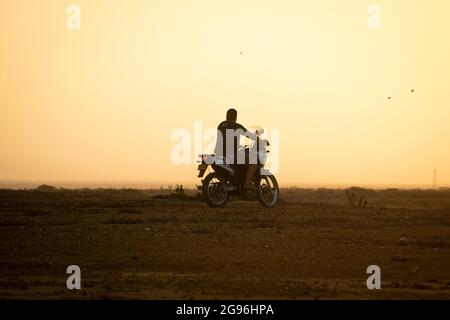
{"x": 268, "y": 191}
{"x": 213, "y": 190}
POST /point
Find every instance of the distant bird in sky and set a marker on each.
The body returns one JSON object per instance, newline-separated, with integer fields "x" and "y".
{"x": 412, "y": 91}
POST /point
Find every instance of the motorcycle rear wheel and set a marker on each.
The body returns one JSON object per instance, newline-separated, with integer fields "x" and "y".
{"x": 213, "y": 190}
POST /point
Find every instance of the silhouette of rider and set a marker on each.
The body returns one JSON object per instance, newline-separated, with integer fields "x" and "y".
{"x": 228, "y": 149}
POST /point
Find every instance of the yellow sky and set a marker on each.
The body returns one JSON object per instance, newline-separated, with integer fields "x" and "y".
{"x": 101, "y": 103}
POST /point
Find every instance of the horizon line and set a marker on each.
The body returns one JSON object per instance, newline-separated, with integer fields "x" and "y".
{"x": 142, "y": 184}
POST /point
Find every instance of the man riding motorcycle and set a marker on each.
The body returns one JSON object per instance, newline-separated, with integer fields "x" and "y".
{"x": 229, "y": 151}
{"x": 236, "y": 169}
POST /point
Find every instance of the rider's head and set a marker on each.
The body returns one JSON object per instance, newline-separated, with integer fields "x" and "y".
{"x": 232, "y": 115}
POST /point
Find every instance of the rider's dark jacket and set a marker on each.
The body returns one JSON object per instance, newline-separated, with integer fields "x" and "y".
{"x": 228, "y": 141}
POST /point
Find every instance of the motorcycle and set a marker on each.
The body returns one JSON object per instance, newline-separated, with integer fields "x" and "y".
{"x": 228, "y": 179}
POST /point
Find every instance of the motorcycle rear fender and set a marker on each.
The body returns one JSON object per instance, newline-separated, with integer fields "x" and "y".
{"x": 202, "y": 169}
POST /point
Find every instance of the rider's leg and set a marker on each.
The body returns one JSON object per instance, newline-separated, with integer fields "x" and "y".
{"x": 251, "y": 169}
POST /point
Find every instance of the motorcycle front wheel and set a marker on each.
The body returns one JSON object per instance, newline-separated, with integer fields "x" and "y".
{"x": 213, "y": 190}
{"x": 268, "y": 191}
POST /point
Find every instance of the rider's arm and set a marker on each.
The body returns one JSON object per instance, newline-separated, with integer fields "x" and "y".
{"x": 248, "y": 134}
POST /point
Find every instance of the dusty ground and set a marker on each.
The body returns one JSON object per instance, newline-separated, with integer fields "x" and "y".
{"x": 130, "y": 244}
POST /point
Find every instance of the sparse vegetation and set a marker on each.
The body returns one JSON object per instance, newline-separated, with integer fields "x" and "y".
{"x": 355, "y": 200}
{"x": 46, "y": 188}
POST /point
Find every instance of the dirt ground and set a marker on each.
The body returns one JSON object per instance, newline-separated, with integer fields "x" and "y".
{"x": 133, "y": 244}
